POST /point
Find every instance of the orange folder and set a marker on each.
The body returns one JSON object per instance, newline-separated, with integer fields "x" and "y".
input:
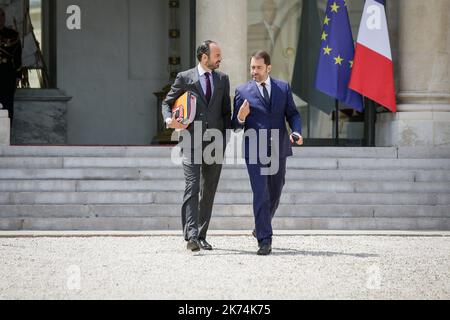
{"x": 185, "y": 108}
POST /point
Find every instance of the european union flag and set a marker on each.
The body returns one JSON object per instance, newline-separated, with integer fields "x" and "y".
{"x": 336, "y": 56}
{"x": 304, "y": 79}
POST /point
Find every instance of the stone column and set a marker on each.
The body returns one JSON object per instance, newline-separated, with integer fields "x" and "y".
{"x": 423, "y": 117}
{"x": 226, "y": 23}
{"x": 4, "y": 127}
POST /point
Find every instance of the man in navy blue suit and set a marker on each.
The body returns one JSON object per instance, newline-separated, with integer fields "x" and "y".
{"x": 262, "y": 107}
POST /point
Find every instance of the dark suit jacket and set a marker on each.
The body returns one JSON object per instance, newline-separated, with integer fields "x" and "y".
{"x": 216, "y": 114}
{"x": 265, "y": 116}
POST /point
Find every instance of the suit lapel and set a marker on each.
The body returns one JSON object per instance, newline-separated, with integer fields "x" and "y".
{"x": 274, "y": 94}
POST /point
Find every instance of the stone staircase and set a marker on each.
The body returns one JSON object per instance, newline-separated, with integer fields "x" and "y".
{"x": 139, "y": 188}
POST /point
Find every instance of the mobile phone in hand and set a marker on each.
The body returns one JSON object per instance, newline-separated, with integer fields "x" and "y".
{"x": 296, "y": 137}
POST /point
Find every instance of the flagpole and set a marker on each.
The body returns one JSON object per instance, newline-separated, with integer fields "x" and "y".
{"x": 336, "y": 119}
{"x": 370, "y": 119}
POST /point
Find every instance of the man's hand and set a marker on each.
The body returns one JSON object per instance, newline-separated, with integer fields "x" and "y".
{"x": 244, "y": 111}
{"x": 174, "y": 124}
{"x": 296, "y": 136}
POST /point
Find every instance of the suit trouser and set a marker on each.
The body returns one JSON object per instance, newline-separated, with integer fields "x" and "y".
{"x": 201, "y": 186}
{"x": 267, "y": 191}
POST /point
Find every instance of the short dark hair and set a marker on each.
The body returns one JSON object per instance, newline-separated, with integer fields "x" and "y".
{"x": 204, "y": 48}
{"x": 261, "y": 54}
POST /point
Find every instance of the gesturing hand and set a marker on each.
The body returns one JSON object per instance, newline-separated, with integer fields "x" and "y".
{"x": 244, "y": 111}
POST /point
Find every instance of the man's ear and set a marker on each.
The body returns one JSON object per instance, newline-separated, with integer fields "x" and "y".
{"x": 269, "y": 68}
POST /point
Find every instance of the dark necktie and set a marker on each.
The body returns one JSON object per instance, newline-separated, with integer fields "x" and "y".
{"x": 266, "y": 93}
{"x": 208, "y": 93}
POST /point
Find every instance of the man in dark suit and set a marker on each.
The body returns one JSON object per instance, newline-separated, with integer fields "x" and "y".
{"x": 212, "y": 89}
{"x": 10, "y": 65}
{"x": 262, "y": 106}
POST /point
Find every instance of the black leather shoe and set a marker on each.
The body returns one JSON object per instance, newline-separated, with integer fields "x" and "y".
{"x": 193, "y": 245}
{"x": 264, "y": 250}
{"x": 254, "y": 234}
{"x": 204, "y": 245}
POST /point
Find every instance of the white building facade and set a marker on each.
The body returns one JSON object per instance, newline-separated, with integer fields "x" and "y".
{"x": 113, "y": 63}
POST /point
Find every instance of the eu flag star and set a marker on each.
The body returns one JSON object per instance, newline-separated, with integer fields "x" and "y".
{"x": 324, "y": 36}
{"x": 334, "y": 7}
{"x": 327, "y": 21}
{"x": 338, "y": 60}
{"x": 327, "y": 50}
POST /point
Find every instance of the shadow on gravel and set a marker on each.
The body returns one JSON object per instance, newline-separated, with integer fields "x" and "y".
{"x": 287, "y": 252}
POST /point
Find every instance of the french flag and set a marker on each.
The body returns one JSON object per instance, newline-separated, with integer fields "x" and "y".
{"x": 373, "y": 71}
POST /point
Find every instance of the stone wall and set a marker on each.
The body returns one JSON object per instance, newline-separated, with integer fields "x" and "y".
{"x": 40, "y": 117}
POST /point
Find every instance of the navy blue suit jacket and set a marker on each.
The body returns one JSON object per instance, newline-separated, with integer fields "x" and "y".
{"x": 264, "y": 116}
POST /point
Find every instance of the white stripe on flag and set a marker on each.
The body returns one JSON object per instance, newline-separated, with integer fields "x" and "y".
{"x": 373, "y": 31}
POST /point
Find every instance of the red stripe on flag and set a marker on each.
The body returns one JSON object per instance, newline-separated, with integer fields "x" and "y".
{"x": 373, "y": 77}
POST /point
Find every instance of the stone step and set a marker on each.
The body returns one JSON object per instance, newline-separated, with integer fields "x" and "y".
{"x": 177, "y": 173}
{"x": 224, "y": 223}
{"x": 243, "y": 210}
{"x": 394, "y": 164}
{"x": 317, "y": 198}
{"x": 166, "y": 163}
{"x": 159, "y": 198}
{"x": 149, "y": 151}
{"x": 148, "y": 174}
{"x": 424, "y": 152}
{"x": 78, "y": 174}
{"x": 84, "y": 151}
{"x": 178, "y": 186}
{"x": 81, "y": 198}
{"x": 30, "y": 162}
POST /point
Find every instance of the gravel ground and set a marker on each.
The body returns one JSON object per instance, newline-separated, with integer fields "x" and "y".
{"x": 159, "y": 267}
